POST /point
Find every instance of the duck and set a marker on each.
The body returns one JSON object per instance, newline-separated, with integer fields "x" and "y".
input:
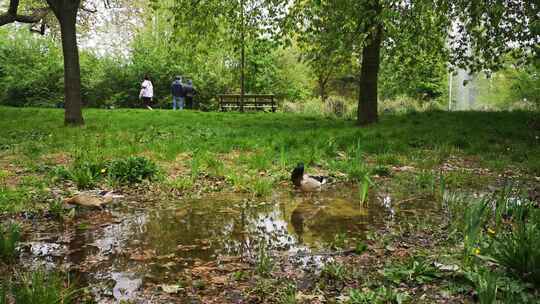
{"x": 305, "y": 182}
{"x": 92, "y": 199}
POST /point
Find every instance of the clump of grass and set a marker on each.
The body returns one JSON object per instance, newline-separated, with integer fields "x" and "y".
{"x": 518, "y": 247}
{"x": 10, "y": 236}
{"x": 287, "y": 294}
{"x": 196, "y": 166}
{"x": 485, "y": 284}
{"x": 334, "y": 272}
{"x": 132, "y": 170}
{"x": 382, "y": 294}
{"x": 86, "y": 174}
{"x": 417, "y": 269}
{"x": 360, "y": 247}
{"x": 265, "y": 263}
{"x": 12, "y": 200}
{"x": 215, "y": 166}
{"x": 3, "y": 293}
{"x": 426, "y": 180}
{"x": 363, "y": 189}
{"x": 339, "y": 241}
{"x": 382, "y": 170}
{"x": 39, "y": 287}
{"x": 56, "y": 209}
{"x": 261, "y": 187}
{"x": 180, "y": 184}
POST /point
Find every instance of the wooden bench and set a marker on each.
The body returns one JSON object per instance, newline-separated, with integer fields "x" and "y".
{"x": 257, "y": 102}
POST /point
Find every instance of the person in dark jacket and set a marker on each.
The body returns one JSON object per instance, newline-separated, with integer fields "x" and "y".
{"x": 189, "y": 93}
{"x": 177, "y": 91}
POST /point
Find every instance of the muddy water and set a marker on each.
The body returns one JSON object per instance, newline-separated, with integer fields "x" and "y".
{"x": 118, "y": 249}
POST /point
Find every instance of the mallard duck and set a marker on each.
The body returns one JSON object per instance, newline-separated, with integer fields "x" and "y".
{"x": 92, "y": 198}
{"x": 307, "y": 183}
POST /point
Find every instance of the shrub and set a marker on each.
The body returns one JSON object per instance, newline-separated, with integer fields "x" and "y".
{"x": 132, "y": 170}
{"x": 9, "y": 238}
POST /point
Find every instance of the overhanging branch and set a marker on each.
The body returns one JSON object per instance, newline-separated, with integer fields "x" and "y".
{"x": 11, "y": 15}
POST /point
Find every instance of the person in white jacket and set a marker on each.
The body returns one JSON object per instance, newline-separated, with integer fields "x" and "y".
{"x": 147, "y": 92}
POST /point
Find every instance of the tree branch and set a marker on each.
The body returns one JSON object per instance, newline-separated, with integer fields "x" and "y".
{"x": 11, "y": 15}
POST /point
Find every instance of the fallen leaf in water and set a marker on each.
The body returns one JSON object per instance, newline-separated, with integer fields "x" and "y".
{"x": 219, "y": 280}
{"x": 170, "y": 288}
{"x": 143, "y": 256}
{"x": 306, "y": 298}
{"x": 186, "y": 247}
{"x": 202, "y": 270}
{"x": 165, "y": 257}
{"x": 444, "y": 267}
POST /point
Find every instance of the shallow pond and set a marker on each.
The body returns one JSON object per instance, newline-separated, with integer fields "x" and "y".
{"x": 122, "y": 247}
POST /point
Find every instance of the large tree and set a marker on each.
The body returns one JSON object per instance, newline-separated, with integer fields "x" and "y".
{"x": 65, "y": 12}
{"x": 66, "y": 15}
{"x": 239, "y": 21}
{"x": 476, "y": 34}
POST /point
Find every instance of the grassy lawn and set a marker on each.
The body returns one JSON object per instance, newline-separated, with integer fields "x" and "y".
{"x": 465, "y": 254}
{"x": 499, "y": 139}
{"x": 253, "y": 152}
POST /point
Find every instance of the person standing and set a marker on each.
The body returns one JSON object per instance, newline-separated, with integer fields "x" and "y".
{"x": 177, "y": 91}
{"x": 189, "y": 93}
{"x": 147, "y": 92}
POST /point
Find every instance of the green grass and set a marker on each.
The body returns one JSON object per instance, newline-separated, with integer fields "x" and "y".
{"x": 41, "y": 287}
{"x": 34, "y": 139}
{"x": 10, "y": 236}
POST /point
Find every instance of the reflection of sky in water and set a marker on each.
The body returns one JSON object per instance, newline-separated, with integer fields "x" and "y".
{"x": 126, "y": 285}
{"x": 206, "y": 229}
{"x": 113, "y": 237}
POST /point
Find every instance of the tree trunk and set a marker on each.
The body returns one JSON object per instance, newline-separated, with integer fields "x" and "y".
{"x": 242, "y": 59}
{"x": 322, "y": 87}
{"x": 67, "y": 16}
{"x": 369, "y": 76}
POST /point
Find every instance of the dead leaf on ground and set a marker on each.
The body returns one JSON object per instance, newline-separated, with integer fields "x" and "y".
{"x": 143, "y": 256}
{"x": 170, "y": 288}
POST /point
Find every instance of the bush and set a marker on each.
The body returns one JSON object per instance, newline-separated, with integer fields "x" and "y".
{"x": 132, "y": 170}
{"x": 9, "y": 238}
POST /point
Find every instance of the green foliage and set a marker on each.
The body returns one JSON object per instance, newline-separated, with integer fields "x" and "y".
{"x": 31, "y": 70}
{"x": 334, "y": 272}
{"x": 40, "y": 287}
{"x": 381, "y": 295}
{"x": 265, "y": 262}
{"x": 261, "y": 187}
{"x": 518, "y": 248}
{"x": 87, "y": 174}
{"x": 130, "y": 170}
{"x": 3, "y": 293}
{"x": 363, "y": 189}
{"x": 360, "y": 247}
{"x": 83, "y": 172}
{"x": 485, "y": 284}
{"x": 418, "y": 269}
{"x": 10, "y": 235}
